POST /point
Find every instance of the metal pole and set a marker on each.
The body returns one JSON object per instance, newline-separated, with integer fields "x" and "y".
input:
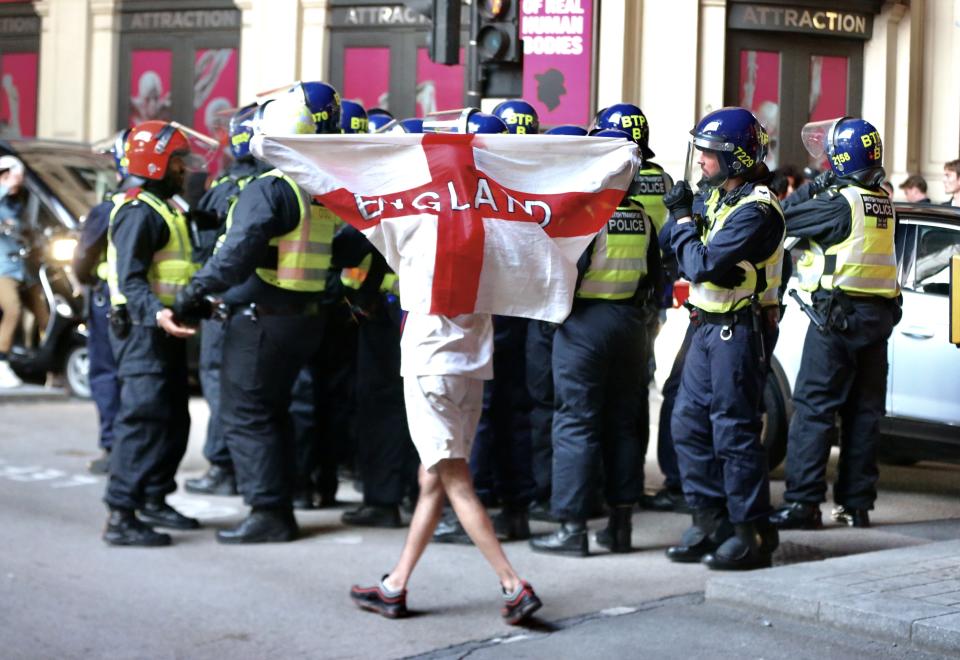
{"x": 474, "y": 75}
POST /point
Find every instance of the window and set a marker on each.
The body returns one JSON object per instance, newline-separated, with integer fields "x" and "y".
{"x": 935, "y": 246}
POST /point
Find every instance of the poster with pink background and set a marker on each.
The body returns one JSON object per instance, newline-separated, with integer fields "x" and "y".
{"x": 150, "y": 76}
{"x": 18, "y": 91}
{"x": 215, "y": 97}
{"x": 366, "y": 76}
{"x": 557, "y": 59}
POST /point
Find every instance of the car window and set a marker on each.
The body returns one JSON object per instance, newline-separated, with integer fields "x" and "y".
{"x": 935, "y": 246}
{"x": 79, "y": 178}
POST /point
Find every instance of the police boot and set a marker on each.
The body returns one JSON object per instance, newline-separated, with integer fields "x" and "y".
{"x": 218, "y": 480}
{"x": 449, "y": 530}
{"x": 797, "y": 515}
{"x": 124, "y": 528}
{"x": 710, "y": 528}
{"x": 157, "y": 512}
{"x": 262, "y": 526}
{"x": 616, "y": 536}
{"x": 750, "y": 547}
{"x": 851, "y": 517}
{"x": 512, "y": 524}
{"x": 570, "y": 539}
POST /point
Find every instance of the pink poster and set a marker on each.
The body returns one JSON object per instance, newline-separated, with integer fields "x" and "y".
{"x": 215, "y": 97}
{"x": 439, "y": 87}
{"x": 18, "y": 91}
{"x": 828, "y": 87}
{"x": 760, "y": 93}
{"x": 557, "y": 55}
{"x": 150, "y": 74}
{"x": 366, "y": 76}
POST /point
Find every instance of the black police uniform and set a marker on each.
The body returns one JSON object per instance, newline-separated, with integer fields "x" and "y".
{"x": 89, "y": 254}
{"x": 600, "y": 380}
{"x": 716, "y": 418}
{"x": 217, "y": 201}
{"x": 386, "y": 458}
{"x": 152, "y": 424}
{"x": 843, "y": 372}
{"x": 539, "y": 377}
{"x": 271, "y": 334}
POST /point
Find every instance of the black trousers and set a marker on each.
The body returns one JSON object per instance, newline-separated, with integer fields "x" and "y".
{"x": 501, "y": 458}
{"x": 539, "y": 368}
{"x": 599, "y": 359}
{"x": 842, "y": 373}
{"x": 386, "y": 457}
{"x": 666, "y": 452}
{"x": 152, "y": 423}
{"x": 261, "y": 360}
{"x": 104, "y": 384}
{"x": 211, "y": 355}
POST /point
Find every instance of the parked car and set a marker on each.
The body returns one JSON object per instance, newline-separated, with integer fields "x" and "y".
{"x": 63, "y": 181}
{"x": 923, "y": 384}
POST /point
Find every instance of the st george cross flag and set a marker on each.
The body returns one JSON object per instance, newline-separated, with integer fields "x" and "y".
{"x": 470, "y": 223}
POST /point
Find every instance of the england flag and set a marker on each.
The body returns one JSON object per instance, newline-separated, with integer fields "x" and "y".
{"x": 471, "y": 223}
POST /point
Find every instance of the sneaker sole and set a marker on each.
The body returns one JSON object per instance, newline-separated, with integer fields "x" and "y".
{"x": 524, "y": 613}
{"x": 376, "y": 609}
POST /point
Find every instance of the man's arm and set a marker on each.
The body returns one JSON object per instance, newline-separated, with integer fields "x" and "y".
{"x": 266, "y": 208}
{"x": 93, "y": 241}
{"x": 751, "y": 233}
{"x": 138, "y": 232}
{"x": 824, "y": 219}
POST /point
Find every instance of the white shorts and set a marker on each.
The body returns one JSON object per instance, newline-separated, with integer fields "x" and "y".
{"x": 442, "y": 413}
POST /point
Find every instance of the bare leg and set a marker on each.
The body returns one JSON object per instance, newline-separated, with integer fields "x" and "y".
{"x": 458, "y": 485}
{"x": 425, "y": 518}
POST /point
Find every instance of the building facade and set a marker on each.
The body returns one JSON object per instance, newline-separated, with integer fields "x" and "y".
{"x": 81, "y": 69}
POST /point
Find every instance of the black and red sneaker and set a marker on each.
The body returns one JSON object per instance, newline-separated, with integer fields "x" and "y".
{"x": 518, "y": 607}
{"x": 374, "y": 599}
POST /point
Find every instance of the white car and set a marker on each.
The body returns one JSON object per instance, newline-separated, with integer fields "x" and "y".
{"x": 923, "y": 385}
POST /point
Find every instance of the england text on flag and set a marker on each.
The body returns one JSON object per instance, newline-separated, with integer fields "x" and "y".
{"x": 470, "y": 223}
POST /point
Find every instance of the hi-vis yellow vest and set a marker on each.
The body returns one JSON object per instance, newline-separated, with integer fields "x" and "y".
{"x": 619, "y": 259}
{"x": 865, "y": 262}
{"x": 241, "y": 184}
{"x": 356, "y": 276}
{"x": 720, "y": 300}
{"x": 648, "y": 187}
{"x": 172, "y": 265}
{"x": 303, "y": 254}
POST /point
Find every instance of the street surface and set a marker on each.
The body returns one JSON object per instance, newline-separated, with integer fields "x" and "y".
{"x": 64, "y": 594}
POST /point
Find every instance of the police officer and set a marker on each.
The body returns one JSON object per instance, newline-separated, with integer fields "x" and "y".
{"x": 149, "y": 258}
{"x": 272, "y": 271}
{"x": 716, "y": 420}
{"x": 219, "y": 478}
{"x": 501, "y": 456}
{"x": 649, "y": 186}
{"x": 599, "y": 367}
{"x": 539, "y": 377}
{"x": 90, "y": 266}
{"x": 850, "y": 267}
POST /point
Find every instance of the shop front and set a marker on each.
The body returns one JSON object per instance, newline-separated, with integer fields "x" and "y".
{"x": 19, "y": 68}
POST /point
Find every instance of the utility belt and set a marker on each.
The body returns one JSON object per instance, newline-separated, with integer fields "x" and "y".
{"x": 256, "y": 310}
{"x": 640, "y": 298}
{"x": 757, "y": 317}
{"x": 700, "y": 317}
{"x": 120, "y": 321}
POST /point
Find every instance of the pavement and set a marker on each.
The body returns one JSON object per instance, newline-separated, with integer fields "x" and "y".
{"x": 31, "y": 393}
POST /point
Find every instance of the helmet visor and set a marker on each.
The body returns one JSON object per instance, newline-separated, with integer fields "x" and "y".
{"x": 203, "y": 149}
{"x": 816, "y": 137}
{"x": 448, "y": 121}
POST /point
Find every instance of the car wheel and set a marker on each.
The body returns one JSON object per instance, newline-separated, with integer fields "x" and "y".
{"x": 77, "y": 371}
{"x": 774, "y": 432}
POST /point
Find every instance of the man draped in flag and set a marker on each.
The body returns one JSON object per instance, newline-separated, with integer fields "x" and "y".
{"x": 473, "y": 225}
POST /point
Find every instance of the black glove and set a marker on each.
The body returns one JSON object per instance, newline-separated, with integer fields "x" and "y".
{"x": 732, "y": 278}
{"x": 823, "y": 181}
{"x": 191, "y": 305}
{"x": 679, "y": 200}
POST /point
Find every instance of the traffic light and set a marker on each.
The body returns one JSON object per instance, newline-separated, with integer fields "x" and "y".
{"x": 443, "y": 42}
{"x": 498, "y": 36}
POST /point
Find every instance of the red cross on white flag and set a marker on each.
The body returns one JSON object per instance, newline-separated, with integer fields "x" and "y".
{"x": 471, "y": 223}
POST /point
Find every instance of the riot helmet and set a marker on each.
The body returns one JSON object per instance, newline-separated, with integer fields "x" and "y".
{"x": 482, "y": 122}
{"x": 377, "y": 118}
{"x": 736, "y": 136}
{"x": 630, "y": 119}
{"x": 119, "y": 152}
{"x": 519, "y": 116}
{"x": 852, "y": 145}
{"x": 566, "y": 129}
{"x": 151, "y": 145}
{"x": 323, "y": 101}
{"x": 353, "y": 118}
{"x": 611, "y": 133}
{"x": 242, "y": 128}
